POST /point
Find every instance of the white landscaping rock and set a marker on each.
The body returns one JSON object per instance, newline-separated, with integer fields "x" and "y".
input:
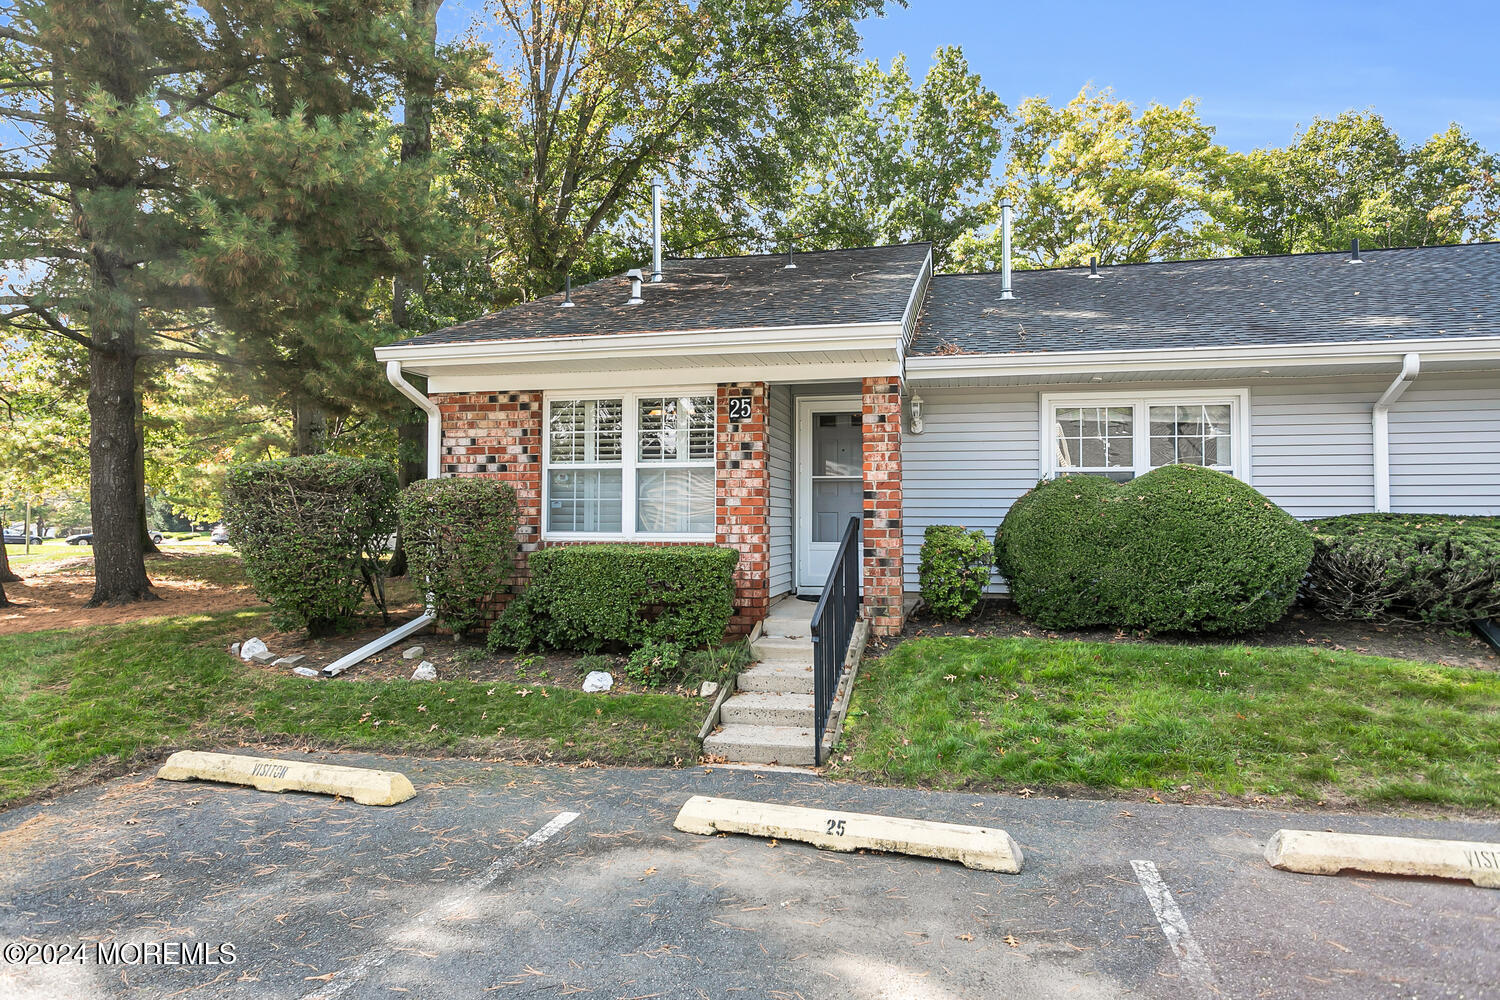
{"x": 251, "y": 647}
{"x": 412, "y": 653}
{"x": 306, "y": 672}
{"x": 234, "y": 649}
{"x": 425, "y": 672}
{"x": 597, "y": 681}
{"x": 708, "y": 690}
{"x": 289, "y": 661}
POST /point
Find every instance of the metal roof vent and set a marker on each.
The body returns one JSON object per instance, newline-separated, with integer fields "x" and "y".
{"x": 1005, "y": 292}
{"x": 567, "y": 302}
{"x": 634, "y": 274}
{"x": 1093, "y": 267}
{"x": 656, "y": 274}
{"x": 1354, "y": 257}
{"x": 791, "y": 265}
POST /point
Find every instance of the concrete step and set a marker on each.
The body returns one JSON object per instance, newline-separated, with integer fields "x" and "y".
{"x": 777, "y": 677}
{"x": 782, "y": 650}
{"x": 768, "y": 708}
{"x": 762, "y": 744}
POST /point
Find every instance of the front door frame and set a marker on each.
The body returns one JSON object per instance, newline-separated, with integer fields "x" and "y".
{"x": 806, "y": 407}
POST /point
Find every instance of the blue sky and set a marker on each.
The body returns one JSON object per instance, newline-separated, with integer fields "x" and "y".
{"x": 1258, "y": 69}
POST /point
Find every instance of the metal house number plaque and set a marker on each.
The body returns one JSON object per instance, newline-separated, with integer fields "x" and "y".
{"x": 739, "y": 409}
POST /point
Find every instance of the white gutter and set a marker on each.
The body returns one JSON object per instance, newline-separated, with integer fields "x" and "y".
{"x": 434, "y": 466}
{"x": 1411, "y": 364}
{"x": 434, "y": 417}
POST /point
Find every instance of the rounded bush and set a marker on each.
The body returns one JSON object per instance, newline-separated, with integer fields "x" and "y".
{"x": 954, "y": 569}
{"x": 1432, "y": 569}
{"x": 310, "y": 531}
{"x": 1181, "y": 549}
{"x": 460, "y": 538}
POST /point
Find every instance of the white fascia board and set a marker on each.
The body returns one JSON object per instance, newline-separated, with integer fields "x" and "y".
{"x": 459, "y": 380}
{"x": 829, "y": 337}
{"x": 959, "y": 366}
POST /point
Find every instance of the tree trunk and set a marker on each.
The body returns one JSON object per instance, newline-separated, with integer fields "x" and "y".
{"x": 309, "y": 428}
{"x": 119, "y": 559}
{"x": 6, "y": 574}
{"x": 147, "y": 545}
{"x": 4, "y": 601}
{"x": 416, "y": 145}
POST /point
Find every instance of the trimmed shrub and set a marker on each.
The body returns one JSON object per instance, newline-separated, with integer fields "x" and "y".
{"x": 460, "y": 536}
{"x": 1181, "y": 549}
{"x": 655, "y": 663}
{"x": 955, "y": 569}
{"x": 621, "y": 596}
{"x": 1432, "y": 569}
{"x": 310, "y": 531}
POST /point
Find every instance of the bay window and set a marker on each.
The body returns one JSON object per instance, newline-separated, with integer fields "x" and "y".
{"x": 1124, "y": 435}
{"x": 631, "y": 465}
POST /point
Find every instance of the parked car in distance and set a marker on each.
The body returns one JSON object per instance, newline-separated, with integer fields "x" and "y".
{"x": 220, "y": 535}
{"x": 19, "y": 538}
{"x": 87, "y": 538}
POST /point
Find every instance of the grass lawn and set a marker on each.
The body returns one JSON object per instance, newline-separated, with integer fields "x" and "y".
{"x": 82, "y": 701}
{"x": 1293, "y": 723}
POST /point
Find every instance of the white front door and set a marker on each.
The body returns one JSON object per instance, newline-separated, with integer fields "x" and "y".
{"x": 830, "y": 482}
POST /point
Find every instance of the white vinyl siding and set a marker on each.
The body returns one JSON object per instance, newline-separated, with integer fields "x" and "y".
{"x": 779, "y": 452}
{"x": 1445, "y": 446}
{"x": 1311, "y": 444}
{"x": 977, "y": 455}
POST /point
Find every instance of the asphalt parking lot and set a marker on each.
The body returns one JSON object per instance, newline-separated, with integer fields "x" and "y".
{"x": 548, "y": 881}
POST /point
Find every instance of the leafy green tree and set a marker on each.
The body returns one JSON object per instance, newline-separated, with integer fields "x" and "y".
{"x": 907, "y": 163}
{"x": 1097, "y": 178}
{"x": 173, "y": 157}
{"x": 1353, "y": 177}
{"x": 722, "y": 98}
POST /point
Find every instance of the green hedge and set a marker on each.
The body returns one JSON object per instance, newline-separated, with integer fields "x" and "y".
{"x": 1434, "y": 569}
{"x": 592, "y": 597}
{"x": 310, "y": 531}
{"x": 460, "y": 536}
{"x": 954, "y": 569}
{"x": 1181, "y": 549}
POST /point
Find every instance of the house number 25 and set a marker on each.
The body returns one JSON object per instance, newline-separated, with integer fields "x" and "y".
{"x": 836, "y": 827}
{"x": 739, "y": 409}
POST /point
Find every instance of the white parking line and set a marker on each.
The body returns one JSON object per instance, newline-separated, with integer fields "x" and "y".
{"x": 349, "y": 976}
{"x": 1174, "y": 925}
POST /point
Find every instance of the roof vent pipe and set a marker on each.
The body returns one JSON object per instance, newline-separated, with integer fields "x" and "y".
{"x": 656, "y": 232}
{"x": 1354, "y": 257}
{"x": 567, "y": 302}
{"x": 1093, "y": 267}
{"x": 1005, "y": 249}
{"x": 791, "y": 265}
{"x": 634, "y": 274}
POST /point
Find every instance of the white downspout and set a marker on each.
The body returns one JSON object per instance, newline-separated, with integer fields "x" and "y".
{"x": 427, "y": 406}
{"x": 434, "y": 467}
{"x": 1411, "y": 365}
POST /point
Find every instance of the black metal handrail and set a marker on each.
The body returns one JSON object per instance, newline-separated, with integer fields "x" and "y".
{"x": 832, "y": 627}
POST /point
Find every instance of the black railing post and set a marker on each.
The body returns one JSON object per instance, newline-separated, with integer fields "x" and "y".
{"x": 832, "y": 627}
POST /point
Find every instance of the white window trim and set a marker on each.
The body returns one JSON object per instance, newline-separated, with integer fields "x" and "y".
{"x": 630, "y": 462}
{"x": 1239, "y": 416}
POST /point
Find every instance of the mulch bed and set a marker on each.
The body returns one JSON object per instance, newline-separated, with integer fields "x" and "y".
{"x": 1301, "y": 627}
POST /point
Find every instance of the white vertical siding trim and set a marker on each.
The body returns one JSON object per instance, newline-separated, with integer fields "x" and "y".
{"x": 779, "y": 451}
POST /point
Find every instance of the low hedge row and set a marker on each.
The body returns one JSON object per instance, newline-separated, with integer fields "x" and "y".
{"x": 617, "y": 596}
{"x": 1431, "y": 569}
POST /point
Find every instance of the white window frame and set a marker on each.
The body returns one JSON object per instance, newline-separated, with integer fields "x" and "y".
{"x": 1140, "y": 402}
{"x": 630, "y": 416}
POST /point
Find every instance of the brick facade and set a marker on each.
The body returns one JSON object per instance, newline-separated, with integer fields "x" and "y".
{"x": 883, "y": 591}
{"x": 743, "y": 487}
{"x": 500, "y": 436}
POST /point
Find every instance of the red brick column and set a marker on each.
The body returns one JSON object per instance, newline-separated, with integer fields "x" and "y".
{"x": 499, "y": 436}
{"x": 743, "y": 487}
{"x": 881, "y": 404}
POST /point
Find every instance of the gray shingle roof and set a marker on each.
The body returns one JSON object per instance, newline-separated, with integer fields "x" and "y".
{"x": 1306, "y": 298}
{"x": 871, "y": 285}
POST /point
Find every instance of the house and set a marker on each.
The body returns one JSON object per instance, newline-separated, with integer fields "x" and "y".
{"x": 762, "y": 401}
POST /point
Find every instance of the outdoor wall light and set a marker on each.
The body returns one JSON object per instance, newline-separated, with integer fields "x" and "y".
{"x": 916, "y": 414}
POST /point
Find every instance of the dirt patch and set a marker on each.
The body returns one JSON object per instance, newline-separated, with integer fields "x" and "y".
{"x": 453, "y": 659}
{"x": 53, "y": 594}
{"x": 1299, "y": 628}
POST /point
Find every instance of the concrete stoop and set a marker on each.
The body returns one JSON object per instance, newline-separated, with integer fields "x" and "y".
{"x": 769, "y": 718}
